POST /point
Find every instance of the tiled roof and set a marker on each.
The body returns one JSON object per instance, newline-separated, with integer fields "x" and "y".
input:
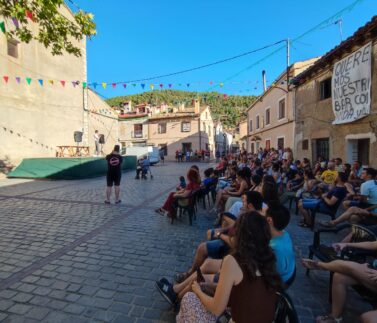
{"x": 360, "y": 37}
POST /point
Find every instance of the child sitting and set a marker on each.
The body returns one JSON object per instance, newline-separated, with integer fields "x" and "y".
{"x": 182, "y": 183}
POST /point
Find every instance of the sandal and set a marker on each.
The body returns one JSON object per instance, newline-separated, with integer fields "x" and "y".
{"x": 310, "y": 264}
{"x": 328, "y": 319}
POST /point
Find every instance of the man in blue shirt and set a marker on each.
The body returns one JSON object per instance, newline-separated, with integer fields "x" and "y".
{"x": 363, "y": 210}
{"x": 278, "y": 218}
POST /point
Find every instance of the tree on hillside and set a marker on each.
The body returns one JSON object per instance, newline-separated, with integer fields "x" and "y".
{"x": 231, "y": 110}
{"x": 55, "y": 31}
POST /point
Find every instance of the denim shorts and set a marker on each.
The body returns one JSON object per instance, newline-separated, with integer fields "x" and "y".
{"x": 217, "y": 249}
{"x": 311, "y": 204}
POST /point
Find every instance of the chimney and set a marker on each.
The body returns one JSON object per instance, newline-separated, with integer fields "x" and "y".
{"x": 264, "y": 81}
{"x": 197, "y": 106}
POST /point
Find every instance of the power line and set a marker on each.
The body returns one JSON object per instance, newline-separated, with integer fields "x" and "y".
{"x": 75, "y": 5}
{"x": 206, "y": 65}
{"x": 320, "y": 25}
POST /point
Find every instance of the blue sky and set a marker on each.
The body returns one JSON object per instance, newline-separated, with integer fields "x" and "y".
{"x": 140, "y": 39}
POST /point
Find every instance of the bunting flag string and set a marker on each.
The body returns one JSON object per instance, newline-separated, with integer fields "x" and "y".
{"x": 230, "y": 86}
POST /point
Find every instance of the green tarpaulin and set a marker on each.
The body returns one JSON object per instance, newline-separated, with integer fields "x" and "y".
{"x": 66, "y": 168}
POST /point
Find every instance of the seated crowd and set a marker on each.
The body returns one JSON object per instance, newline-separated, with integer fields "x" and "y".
{"x": 248, "y": 256}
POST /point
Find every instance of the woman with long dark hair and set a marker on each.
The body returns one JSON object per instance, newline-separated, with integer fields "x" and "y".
{"x": 248, "y": 279}
{"x": 193, "y": 179}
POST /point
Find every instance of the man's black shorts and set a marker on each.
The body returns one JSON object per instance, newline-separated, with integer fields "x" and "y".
{"x": 113, "y": 179}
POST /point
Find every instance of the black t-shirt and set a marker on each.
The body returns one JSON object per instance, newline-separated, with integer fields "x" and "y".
{"x": 340, "y": 193}
{"x": 114, "y": 162}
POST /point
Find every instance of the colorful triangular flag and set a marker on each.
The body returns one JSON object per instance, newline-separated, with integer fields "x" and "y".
{"x": 28, "y": 80}
{"x": 2, "y": 26}
{"x": 188, "y": 84}
{"x": 152, "y": 86}
{"x": 170, "y": 85}
{"x": 18, "y": 79}
{"x": 84, "y": 85}
{"x": 124, "y": 85}
{"x": 6, "y": 78}
{"x": 51, "y": 82}
{"x": 221, "y": 84}
{"x": 15, "y": 22}
{"x": 94, "y": 85}
{"x": 62, "y": 83}
{"x": 29, "y": 14}
{"x": 161, "y": 85}
{"x": 104, "y": 85}
{"x": 143, "y": 86}
{"x": 134, "y": 85}
{"x": 40, "y": 81}
{"x": 114, "y": 85}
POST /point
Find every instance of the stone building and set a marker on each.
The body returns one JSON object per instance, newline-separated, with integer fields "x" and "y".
{"x": 42, "y": 98}
{"x": 270, "y": 118}
{"x": 189, "y": 128}
{"x": 101, "y": 117}
{"x": 133, "y": 129}
{"x": 336, "y": 102}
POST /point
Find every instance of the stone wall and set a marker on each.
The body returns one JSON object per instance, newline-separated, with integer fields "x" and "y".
{"x": 34, "y": 119}
{"x": 315, "y": 117}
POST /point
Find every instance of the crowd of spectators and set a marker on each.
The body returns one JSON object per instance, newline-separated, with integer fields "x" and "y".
{"x": 248, "y": 255}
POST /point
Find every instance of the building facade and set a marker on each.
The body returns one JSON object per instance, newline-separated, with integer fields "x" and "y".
{"x": 184, "y": 129}
{"x": 336, "y": 102}
{"x": 43, "y": 100}
{"x": 35, "y": 117}
{"x": 271, "y": 119}
{"x": 133, "y": 129}
{"x": 101, "y": 117}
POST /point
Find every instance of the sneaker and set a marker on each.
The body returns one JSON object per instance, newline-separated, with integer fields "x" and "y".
{"x": 119, "y": 201}
{"x": 167, "y": 292}
{"x": 107, "y": 202}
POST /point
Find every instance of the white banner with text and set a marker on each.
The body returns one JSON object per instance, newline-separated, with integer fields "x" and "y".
{"x": 351, "y": 86}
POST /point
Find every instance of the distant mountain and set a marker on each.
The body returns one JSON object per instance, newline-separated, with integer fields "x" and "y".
{"x": 230, "y": 109}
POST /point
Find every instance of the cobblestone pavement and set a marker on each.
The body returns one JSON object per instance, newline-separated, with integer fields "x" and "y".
{"x": 67, "y": 257}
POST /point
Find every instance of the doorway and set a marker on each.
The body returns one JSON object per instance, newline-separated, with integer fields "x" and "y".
{"x": 321, "y": 148}
{"x": 358, "y": 149}
{"x": 186, "y": 146}
{"x": 280, "y": 143}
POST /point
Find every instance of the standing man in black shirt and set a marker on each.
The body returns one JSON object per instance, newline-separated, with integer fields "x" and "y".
{"x": 114, "y": 174}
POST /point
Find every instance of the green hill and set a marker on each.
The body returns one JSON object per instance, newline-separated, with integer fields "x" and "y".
{"x": 229, "y": 108}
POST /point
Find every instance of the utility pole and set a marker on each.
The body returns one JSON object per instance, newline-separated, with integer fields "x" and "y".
{"x": 288, "y": 63}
